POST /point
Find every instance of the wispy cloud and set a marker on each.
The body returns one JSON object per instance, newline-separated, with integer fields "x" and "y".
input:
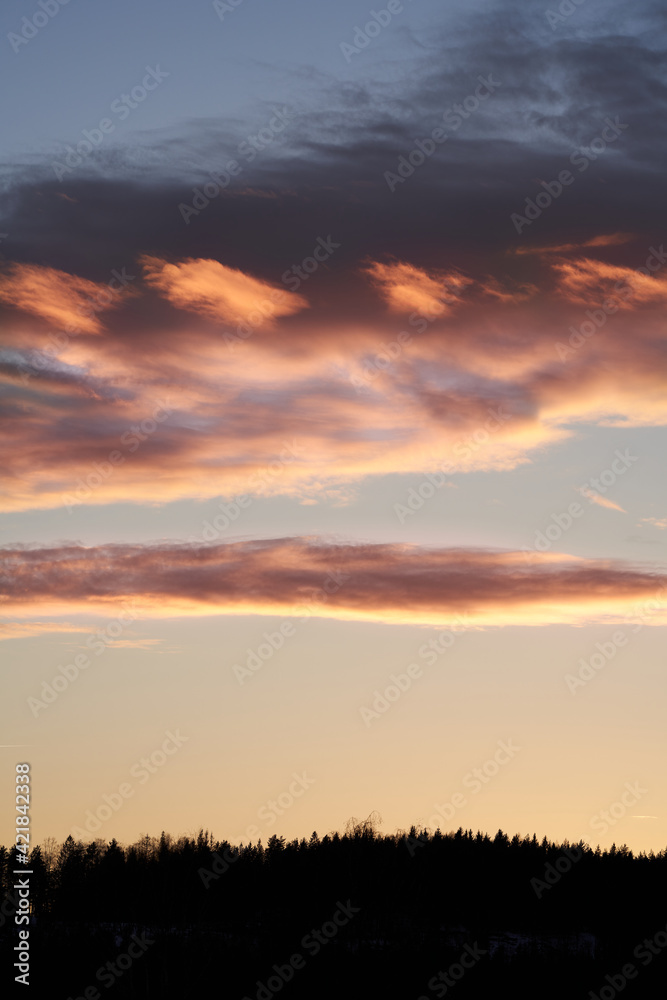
{"x": 656, "y": 522}
{"x": 599, "y": 499}
{"x": 26, "y": 629}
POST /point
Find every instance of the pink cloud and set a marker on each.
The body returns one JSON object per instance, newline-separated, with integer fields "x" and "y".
{"x": 389, "y": 583}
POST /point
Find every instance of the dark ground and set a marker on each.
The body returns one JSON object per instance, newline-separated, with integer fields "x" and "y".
{"x": 359, "y": 915}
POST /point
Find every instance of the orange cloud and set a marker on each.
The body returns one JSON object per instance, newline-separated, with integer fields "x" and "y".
{"x": 604, "y": 240}
{"x": 600, "y": 500}
{"x": 406, "y": 287}
{"x": 28, "y": 629}
{"x": 65, "y": 300}
{"x": 506, "y": 294}
{"x": 302, "y": 577}
{"x": 481, "y": 392}
{"x": 223, "y": 293}
{"x": 609, "y": 240}
{"x": 656, "y": 522}
{"x": 587, "y": 281}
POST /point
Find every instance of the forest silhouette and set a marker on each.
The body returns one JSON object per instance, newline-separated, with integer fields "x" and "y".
{"x": 416, "y": 914}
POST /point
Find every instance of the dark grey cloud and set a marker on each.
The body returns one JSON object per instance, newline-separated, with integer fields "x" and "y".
{"x": 325, "y": 169}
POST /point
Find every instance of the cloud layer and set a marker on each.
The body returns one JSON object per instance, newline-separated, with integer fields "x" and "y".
{"x": 477, "y": 379}
{"x": 387, "y": 328}
{"x": 307, "y": 576}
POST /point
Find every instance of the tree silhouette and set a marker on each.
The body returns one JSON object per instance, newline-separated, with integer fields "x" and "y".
{"x": 420, "y": 897}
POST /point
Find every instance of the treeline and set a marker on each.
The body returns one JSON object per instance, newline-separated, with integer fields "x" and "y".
{"x": 358, "y": 912}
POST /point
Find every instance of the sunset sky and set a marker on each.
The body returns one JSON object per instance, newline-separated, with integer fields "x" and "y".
{"x": 334, "y": 378}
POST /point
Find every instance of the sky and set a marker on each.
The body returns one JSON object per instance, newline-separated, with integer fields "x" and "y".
{"x": 333, "y": 407}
